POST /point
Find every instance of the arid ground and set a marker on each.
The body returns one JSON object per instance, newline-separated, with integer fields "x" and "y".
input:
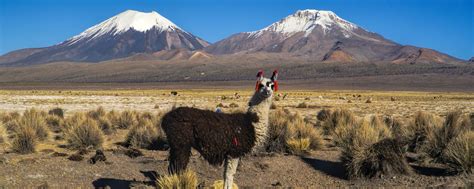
{"x": 49, "y": 166}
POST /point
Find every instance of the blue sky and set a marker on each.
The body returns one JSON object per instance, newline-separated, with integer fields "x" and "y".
{"x": 443, "y": 25}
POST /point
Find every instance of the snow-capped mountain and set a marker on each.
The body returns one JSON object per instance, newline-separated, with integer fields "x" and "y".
{"x": 306, "y": 21}
{"x": 321, "y": 35}
{"x": 125, "y": 34}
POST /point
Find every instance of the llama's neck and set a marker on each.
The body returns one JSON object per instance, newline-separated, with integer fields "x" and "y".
{"x": 261, "y": 107}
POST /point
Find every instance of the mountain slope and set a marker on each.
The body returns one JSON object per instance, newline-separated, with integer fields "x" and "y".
{"x": 324, "y": 36}
{"x": 121, "y": 36}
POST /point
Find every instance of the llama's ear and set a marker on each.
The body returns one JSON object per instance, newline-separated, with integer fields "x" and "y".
{"x": 259, "y": 78}
{"x": 260, "y": 75}
{"x": 274, "y": 75}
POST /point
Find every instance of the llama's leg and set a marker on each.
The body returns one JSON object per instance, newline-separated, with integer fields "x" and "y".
{"x": 229, "y": 171}
{"x": 178, "y": 159}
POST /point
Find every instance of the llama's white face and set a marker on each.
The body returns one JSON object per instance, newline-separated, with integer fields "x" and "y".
{"x": 265, "y": 87}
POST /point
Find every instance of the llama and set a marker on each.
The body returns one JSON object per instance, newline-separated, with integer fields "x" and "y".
{"x": 220, "y": 137}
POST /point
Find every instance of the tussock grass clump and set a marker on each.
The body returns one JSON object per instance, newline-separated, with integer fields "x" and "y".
{"x": 291, "y": 133}
{"x": 144, "y": 135}
{"x": 397, "y": 127}
{"x": 25, "y": 140}
{"x": 273, "y": 106}
{"x": 36, "y": 120}
{"x": 421, "y": 130}
{"x": 220, "y": 184}
{"x": 298, "y": 130}
{"x": 338, "y": 118}
{"x": 368, "y": 150}
{"x": 187, "y": 179}
{"x": 7, "y": 117}
{"x": 54, "y": 122}
{"x": 385, "y": 157}
{"x": 57, "y": 112}
{"x": 3, "y": 133}
{"x": 459, "y": 153}
{"x": 324, "y": 114}
{"x": 127, "y": 119}
{"x": 97, "y": 113}
{"x": 84, "y": 134}
{"x": 105, "y": 125}
{"x": 276, "y": 131}
{"x": 74, "y": 120}
{"x": 454, "y": 125}
{"x": 298, "y": 145}
{"x": 302, "y": 105}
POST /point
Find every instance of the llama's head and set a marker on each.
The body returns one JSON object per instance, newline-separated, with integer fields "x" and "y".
{"x": 265, "y": 86}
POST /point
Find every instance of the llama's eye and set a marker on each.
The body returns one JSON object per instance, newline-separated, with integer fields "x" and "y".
{"x": 268, "y": 84}
{"x": 261, "y": 85}
{"x": 272, "y": 86}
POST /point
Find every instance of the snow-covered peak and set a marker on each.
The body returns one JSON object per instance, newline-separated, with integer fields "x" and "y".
{"x": 306, "y": 21}
{"x": 130, "y": 19}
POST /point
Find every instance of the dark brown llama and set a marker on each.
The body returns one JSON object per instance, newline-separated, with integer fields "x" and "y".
{"x": 219, "y": 137}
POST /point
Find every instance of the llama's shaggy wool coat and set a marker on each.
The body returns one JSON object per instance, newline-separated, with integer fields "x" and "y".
{"x": 215, "y": 135}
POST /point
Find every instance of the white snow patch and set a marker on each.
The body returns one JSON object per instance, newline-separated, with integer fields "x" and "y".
{"x": 306, "y": 21}
{"x": 125, "y": 21}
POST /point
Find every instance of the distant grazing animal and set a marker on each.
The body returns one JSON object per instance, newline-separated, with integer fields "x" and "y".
{"x": 220, "y": 137}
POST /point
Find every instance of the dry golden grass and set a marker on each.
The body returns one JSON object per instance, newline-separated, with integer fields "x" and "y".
{"x": 3, "y": 133}
{"x": 127, "y": 119}
{"x": 459, "y": 153}
{"x": 290, "y": 132}
{"x": 454, "y": 125}
{"x": 298, "y": 146}
{"x": 185, "y": 180}
{"x": 25, "y": 140}
{"x": 340, "y": 118}
{"x": 368, "y": 151}
{"x": 57, "y": 112}
{"x": 421, "y": 130}
{"x": 97, "y": 113}
{"x": 54, "y": 122}
{"x": 143, "y": 135}
{"x": 218, "y": 184}
{"x": 84, "y": 134}
{"x": 36, "y": 120}
{"x": 298, "y": 128}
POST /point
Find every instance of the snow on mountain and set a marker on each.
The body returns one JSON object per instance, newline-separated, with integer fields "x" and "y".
{"x": 123, "y": 35}
{"x": 306, "y": 21}
{"x": 130, "y": 19}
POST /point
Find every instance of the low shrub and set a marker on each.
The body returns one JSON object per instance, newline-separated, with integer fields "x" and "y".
{"x": 187, "y": 179}
{"x": 324, "y": 114}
